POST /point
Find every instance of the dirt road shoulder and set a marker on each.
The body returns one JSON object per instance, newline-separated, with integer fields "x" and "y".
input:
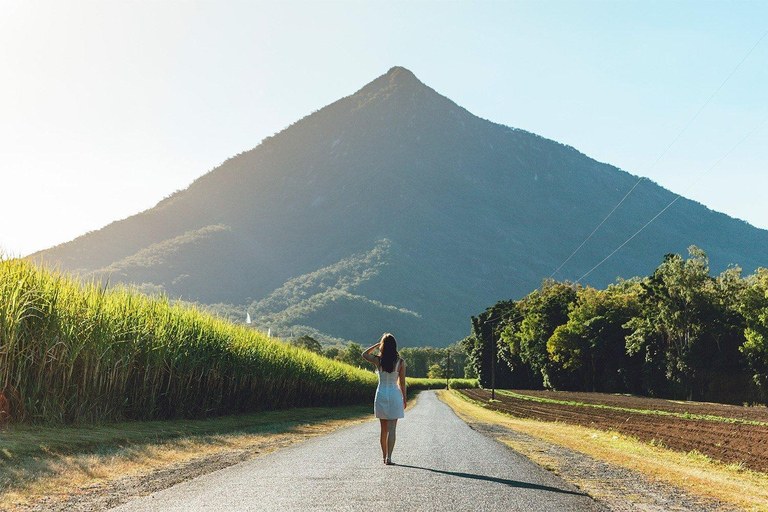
{"x": 617, "y": 470}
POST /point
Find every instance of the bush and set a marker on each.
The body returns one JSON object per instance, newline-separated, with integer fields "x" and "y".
{"x": 422, "y": 384}
{"x": 464, "y": 383}
{"x": 436, "y": 372}
{"x": 416, "y": 384}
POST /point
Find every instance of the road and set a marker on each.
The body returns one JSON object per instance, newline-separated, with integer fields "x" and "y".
{"x": 440, "y": 464}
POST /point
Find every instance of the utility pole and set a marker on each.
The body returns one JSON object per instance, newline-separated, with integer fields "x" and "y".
{"x": 493, "y": 366}
{"x": 448, "y": 369}
{"x": 493, "y": 359}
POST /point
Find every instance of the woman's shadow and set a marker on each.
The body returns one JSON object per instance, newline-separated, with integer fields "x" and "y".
{"x": 511, "y": 483}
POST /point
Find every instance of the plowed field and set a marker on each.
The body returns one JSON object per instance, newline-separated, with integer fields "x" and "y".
{"x": 727, "y": 442}
{"x": 656, "y": 404}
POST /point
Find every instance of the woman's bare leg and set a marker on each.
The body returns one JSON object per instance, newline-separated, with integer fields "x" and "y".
{"x": 391, "y": 437}
{"x": 384, "y": 431}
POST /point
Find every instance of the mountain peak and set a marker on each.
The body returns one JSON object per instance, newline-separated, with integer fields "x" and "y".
{"x": 400, "y": 88}
{"x": 401, "y": 75}
{"x": 396, "y": 79}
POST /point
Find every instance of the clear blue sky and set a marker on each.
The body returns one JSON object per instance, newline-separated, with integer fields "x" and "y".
{"x": 107, "y": 107}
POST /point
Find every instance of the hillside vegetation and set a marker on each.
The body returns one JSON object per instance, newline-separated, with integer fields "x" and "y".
{"x": 679, "y": 333}
{"x": 314, "y": 303}
{"x": 73, "y": 352}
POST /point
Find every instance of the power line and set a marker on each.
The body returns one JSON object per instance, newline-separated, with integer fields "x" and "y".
{"x": 710, "y": 99}
{"x": 595, "y": 230}
{"x": 674, "y": 200}
{"x": 642, "y": 178}
{"x": 662, "y": 154}
{"x": 741, "y": 141}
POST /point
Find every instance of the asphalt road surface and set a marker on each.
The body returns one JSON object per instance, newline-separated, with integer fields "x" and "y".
{"x": 440, "y": 464}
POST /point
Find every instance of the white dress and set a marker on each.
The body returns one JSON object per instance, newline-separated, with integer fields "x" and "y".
{"x": 388, "y": 404}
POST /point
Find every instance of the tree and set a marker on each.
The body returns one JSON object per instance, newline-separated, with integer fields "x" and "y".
{"x": 478, "y": 346}
{"x": 455, "y": 361}
{"x": 679, "y": 332}
{"x": 436, "y": 372}
{"x": 353, "y": 355}
{"x": 754, "y": 307}
{"x": 331, "y": 352}
{"x": 591, "y": 346}
{"x": 475, "y": 353}
{"x": 542, "y": 312}
{"x": 308, "y": 342}
{"x": 420, "y": 359}
{"x": 676, "y": 320}
{"x": 469, "y": 372}
{"x": 724, "y": 371}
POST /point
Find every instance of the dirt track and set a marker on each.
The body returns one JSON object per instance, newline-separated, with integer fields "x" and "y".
{"x": 727, "y": 442}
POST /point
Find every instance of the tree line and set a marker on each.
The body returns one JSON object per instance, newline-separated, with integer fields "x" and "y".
{"x": 422, "y": 362}
{"x": 678, "y": 333}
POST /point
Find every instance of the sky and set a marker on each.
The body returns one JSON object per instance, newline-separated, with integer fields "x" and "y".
{"x": 108, "y": 107}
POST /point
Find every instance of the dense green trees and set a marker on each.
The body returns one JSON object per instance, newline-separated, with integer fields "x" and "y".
{"x": 540, "y": 313}
{"x": 589, "y": 348}
{"x": 352, "y": 354}
{"x": 679, "y": 332}
{"x": 331, "y": 352}
{"x": 436, "y": 372}
{"x": 419, "y": 359}
{"x": 308, "y": 342}
{"x": 754, "y": 308}
{"x": 688, "y": 330}
{"x": 480, "y": 345}
{"x": 422, "y": 362}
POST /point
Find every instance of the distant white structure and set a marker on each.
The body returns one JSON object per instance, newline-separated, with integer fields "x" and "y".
{"x": 269, "y": 332}
{"x": 247, "y": 317}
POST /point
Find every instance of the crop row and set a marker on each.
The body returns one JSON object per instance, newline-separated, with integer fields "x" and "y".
{"x": 75, "y": 352}
{"x": 684, "y": 415}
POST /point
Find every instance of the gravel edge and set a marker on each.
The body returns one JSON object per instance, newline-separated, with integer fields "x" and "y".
{"x": 613, "y": 486}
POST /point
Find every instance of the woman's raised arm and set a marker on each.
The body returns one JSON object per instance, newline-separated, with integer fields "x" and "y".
{"x": 401, "y": 378}
{"x": 368, "y": 354}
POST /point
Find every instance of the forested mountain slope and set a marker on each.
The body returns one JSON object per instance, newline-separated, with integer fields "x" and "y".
{"x": 396, "y": 209}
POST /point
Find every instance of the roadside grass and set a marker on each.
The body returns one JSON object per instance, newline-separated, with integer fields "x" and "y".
{"x": 422, "y": 383}
{"x": 21, "y": 441}
{"x": 45, "y": 464}
{"x": 419, "y": 383}
{"x": 694, "y": 472}
{"x": 686, "y": 415}
{"x": 464, "y": 383}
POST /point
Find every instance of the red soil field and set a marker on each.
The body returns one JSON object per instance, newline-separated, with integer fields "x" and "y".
{"x": 727, "y": 442}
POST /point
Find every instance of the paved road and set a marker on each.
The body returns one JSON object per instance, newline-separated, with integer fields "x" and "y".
{"x": 441, "y": 464}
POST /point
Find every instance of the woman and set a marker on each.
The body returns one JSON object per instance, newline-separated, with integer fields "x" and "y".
{"x": 390, "y": 401}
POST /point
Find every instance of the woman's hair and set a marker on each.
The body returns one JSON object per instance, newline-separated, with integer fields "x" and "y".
{"x": 389, "y": 355}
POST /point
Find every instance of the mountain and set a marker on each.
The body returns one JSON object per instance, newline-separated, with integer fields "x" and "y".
{"x": 394, "y": 209}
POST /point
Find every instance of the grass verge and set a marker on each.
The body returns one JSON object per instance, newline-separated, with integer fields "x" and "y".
{"x": 47, "y": 466}
{"x": 692, "y": 472}
{"x": 418, "y": 383}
